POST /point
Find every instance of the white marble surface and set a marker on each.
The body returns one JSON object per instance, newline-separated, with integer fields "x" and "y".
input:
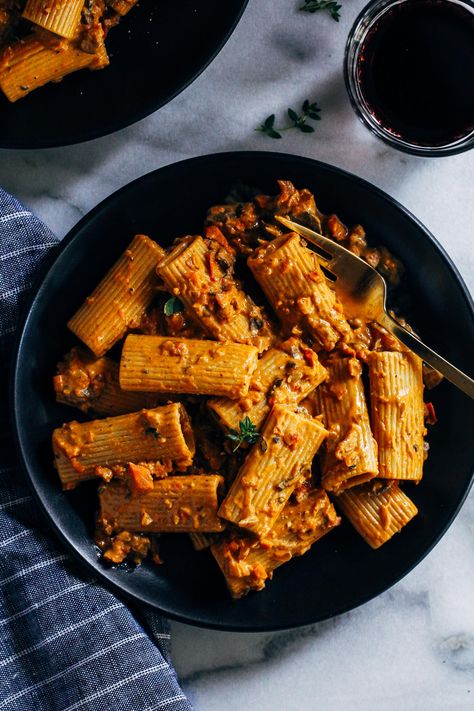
{"x": 413, "y": 647}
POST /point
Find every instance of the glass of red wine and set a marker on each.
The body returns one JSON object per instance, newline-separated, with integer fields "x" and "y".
{"x": 409, "y": 72}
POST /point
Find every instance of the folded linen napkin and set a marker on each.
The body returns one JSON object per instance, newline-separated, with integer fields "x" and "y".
{"x": 66, "y": 643}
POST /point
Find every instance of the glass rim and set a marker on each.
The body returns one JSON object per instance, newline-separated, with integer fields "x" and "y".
{"x": 366, "y": 19}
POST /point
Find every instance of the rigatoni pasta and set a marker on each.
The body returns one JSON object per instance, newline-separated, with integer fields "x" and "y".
{"x": 58, "y": 16}
{"x": 284, "y": 374}
{"x": 199, "y": 272}
{"x": 350, "y": 450}
{"x": 396, "y": 394}
{"x": 36, "y": 61}
{"x": 290, "y": 275}
{"x": 247, "y": 564}
{"x": 92, "y": 385}
{"x": 121, "y": 298}
{"x": 376, "y": 510}
{"x": 81, "y": 448}
{"x": 43, "y": 41}
{"x": 276, "y": 464}
{"x": 175, "y": 504}
{"x": 269, "y": 433}
{"x": 183, "y": 365}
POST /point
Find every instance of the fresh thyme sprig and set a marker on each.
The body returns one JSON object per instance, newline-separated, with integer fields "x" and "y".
{"x": 330, "y": 5}
{"x": 248, "y": 433}
{"x": 299, "y": 121}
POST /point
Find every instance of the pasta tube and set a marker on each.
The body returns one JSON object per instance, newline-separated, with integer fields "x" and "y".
{"x": 92, "y": 385}
{"x": 248, "y": 563}
{"x": 376, "y": 511}
{"x": 33, "y": 62}
{"x": 275, "y": 465}
{"x": 161, "y": 433}
{"x": 199, "y": 272}
{"x": 178, "y": 365}
{"x": 284, "y": 375}
{"x": 120, "y": 299}
{"x": 59, "y": 16}
{"x": 396, "y": 394}
{"x": 176, "y": 504}
{"x": 350, "y": 452}
{"x": 290, "y": 275}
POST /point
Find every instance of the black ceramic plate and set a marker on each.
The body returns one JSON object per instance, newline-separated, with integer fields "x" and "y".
{"x": 341, "y": 571}
{"x": 156, "y": 51}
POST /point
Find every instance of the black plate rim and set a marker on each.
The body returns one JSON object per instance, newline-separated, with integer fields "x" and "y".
{"x": 113, "y": 127}
{"x": 115, "y": 587}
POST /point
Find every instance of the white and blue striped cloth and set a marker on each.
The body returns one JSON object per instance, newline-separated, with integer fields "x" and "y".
{"x": 66, "y": 643}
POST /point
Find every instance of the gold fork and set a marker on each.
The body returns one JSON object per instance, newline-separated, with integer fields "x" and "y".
{"x": 362, "y": 291}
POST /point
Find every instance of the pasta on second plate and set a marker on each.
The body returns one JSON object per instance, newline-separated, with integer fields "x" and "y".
{"x": 247, "y": 426}
{"x": 43, "y": 41}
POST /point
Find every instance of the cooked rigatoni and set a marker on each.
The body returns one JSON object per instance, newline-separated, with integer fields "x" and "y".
{"x": 199, "y": 272}
{"x": 284, "y": 375}
{"x": 34, "y": 61}
{"x": 92, "y": 385}
{"x": 396, "y": 395}
{"x": 80, "y": 448}
{"x": 58, "y": 16}
{"x": 376, "y": 510}
{"x": 177, "y": 504}
{"x": 247, "y": 563}
{"x": 183, "y": 365}
{"x": 350, "y": 450}
{"x": 42, "y": 41}
{"x": 248, "y": 490}
{"x": 121, "y": 298}
{"x": 290, "y": 275}
{"x": 276, "y": 464}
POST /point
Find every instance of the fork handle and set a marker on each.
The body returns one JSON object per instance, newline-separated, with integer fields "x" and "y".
{"x": 453, "y": 374}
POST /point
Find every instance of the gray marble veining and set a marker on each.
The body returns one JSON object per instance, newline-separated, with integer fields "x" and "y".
{"x": 412, "y": 648}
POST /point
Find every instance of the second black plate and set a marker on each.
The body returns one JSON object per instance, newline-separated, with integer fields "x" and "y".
{"x": 155, "y": 52}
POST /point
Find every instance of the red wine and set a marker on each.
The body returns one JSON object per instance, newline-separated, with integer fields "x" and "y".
{"x": 416, "y": 71}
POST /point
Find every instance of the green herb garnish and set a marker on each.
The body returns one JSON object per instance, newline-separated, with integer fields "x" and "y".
{"x": 329, "y": 5}
{"x": 267, "y": 127}
{"x": 173, "y": 306}
{"x": 298, "y": 120}
{"x": 248, "y": 433}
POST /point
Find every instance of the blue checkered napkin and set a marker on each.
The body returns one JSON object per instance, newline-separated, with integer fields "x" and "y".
{"x": 66, "y": 643}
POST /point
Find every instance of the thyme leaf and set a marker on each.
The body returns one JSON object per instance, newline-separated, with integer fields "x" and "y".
{"x": 247, "y": 433}
{"x": 297, "y": 120}
{"x": 267, "y": 127}
{"x": 330, "y": 5}
{"x": 173, "y": 306}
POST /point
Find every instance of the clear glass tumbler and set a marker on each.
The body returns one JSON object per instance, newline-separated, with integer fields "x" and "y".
{"x": 408, "y": 61}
